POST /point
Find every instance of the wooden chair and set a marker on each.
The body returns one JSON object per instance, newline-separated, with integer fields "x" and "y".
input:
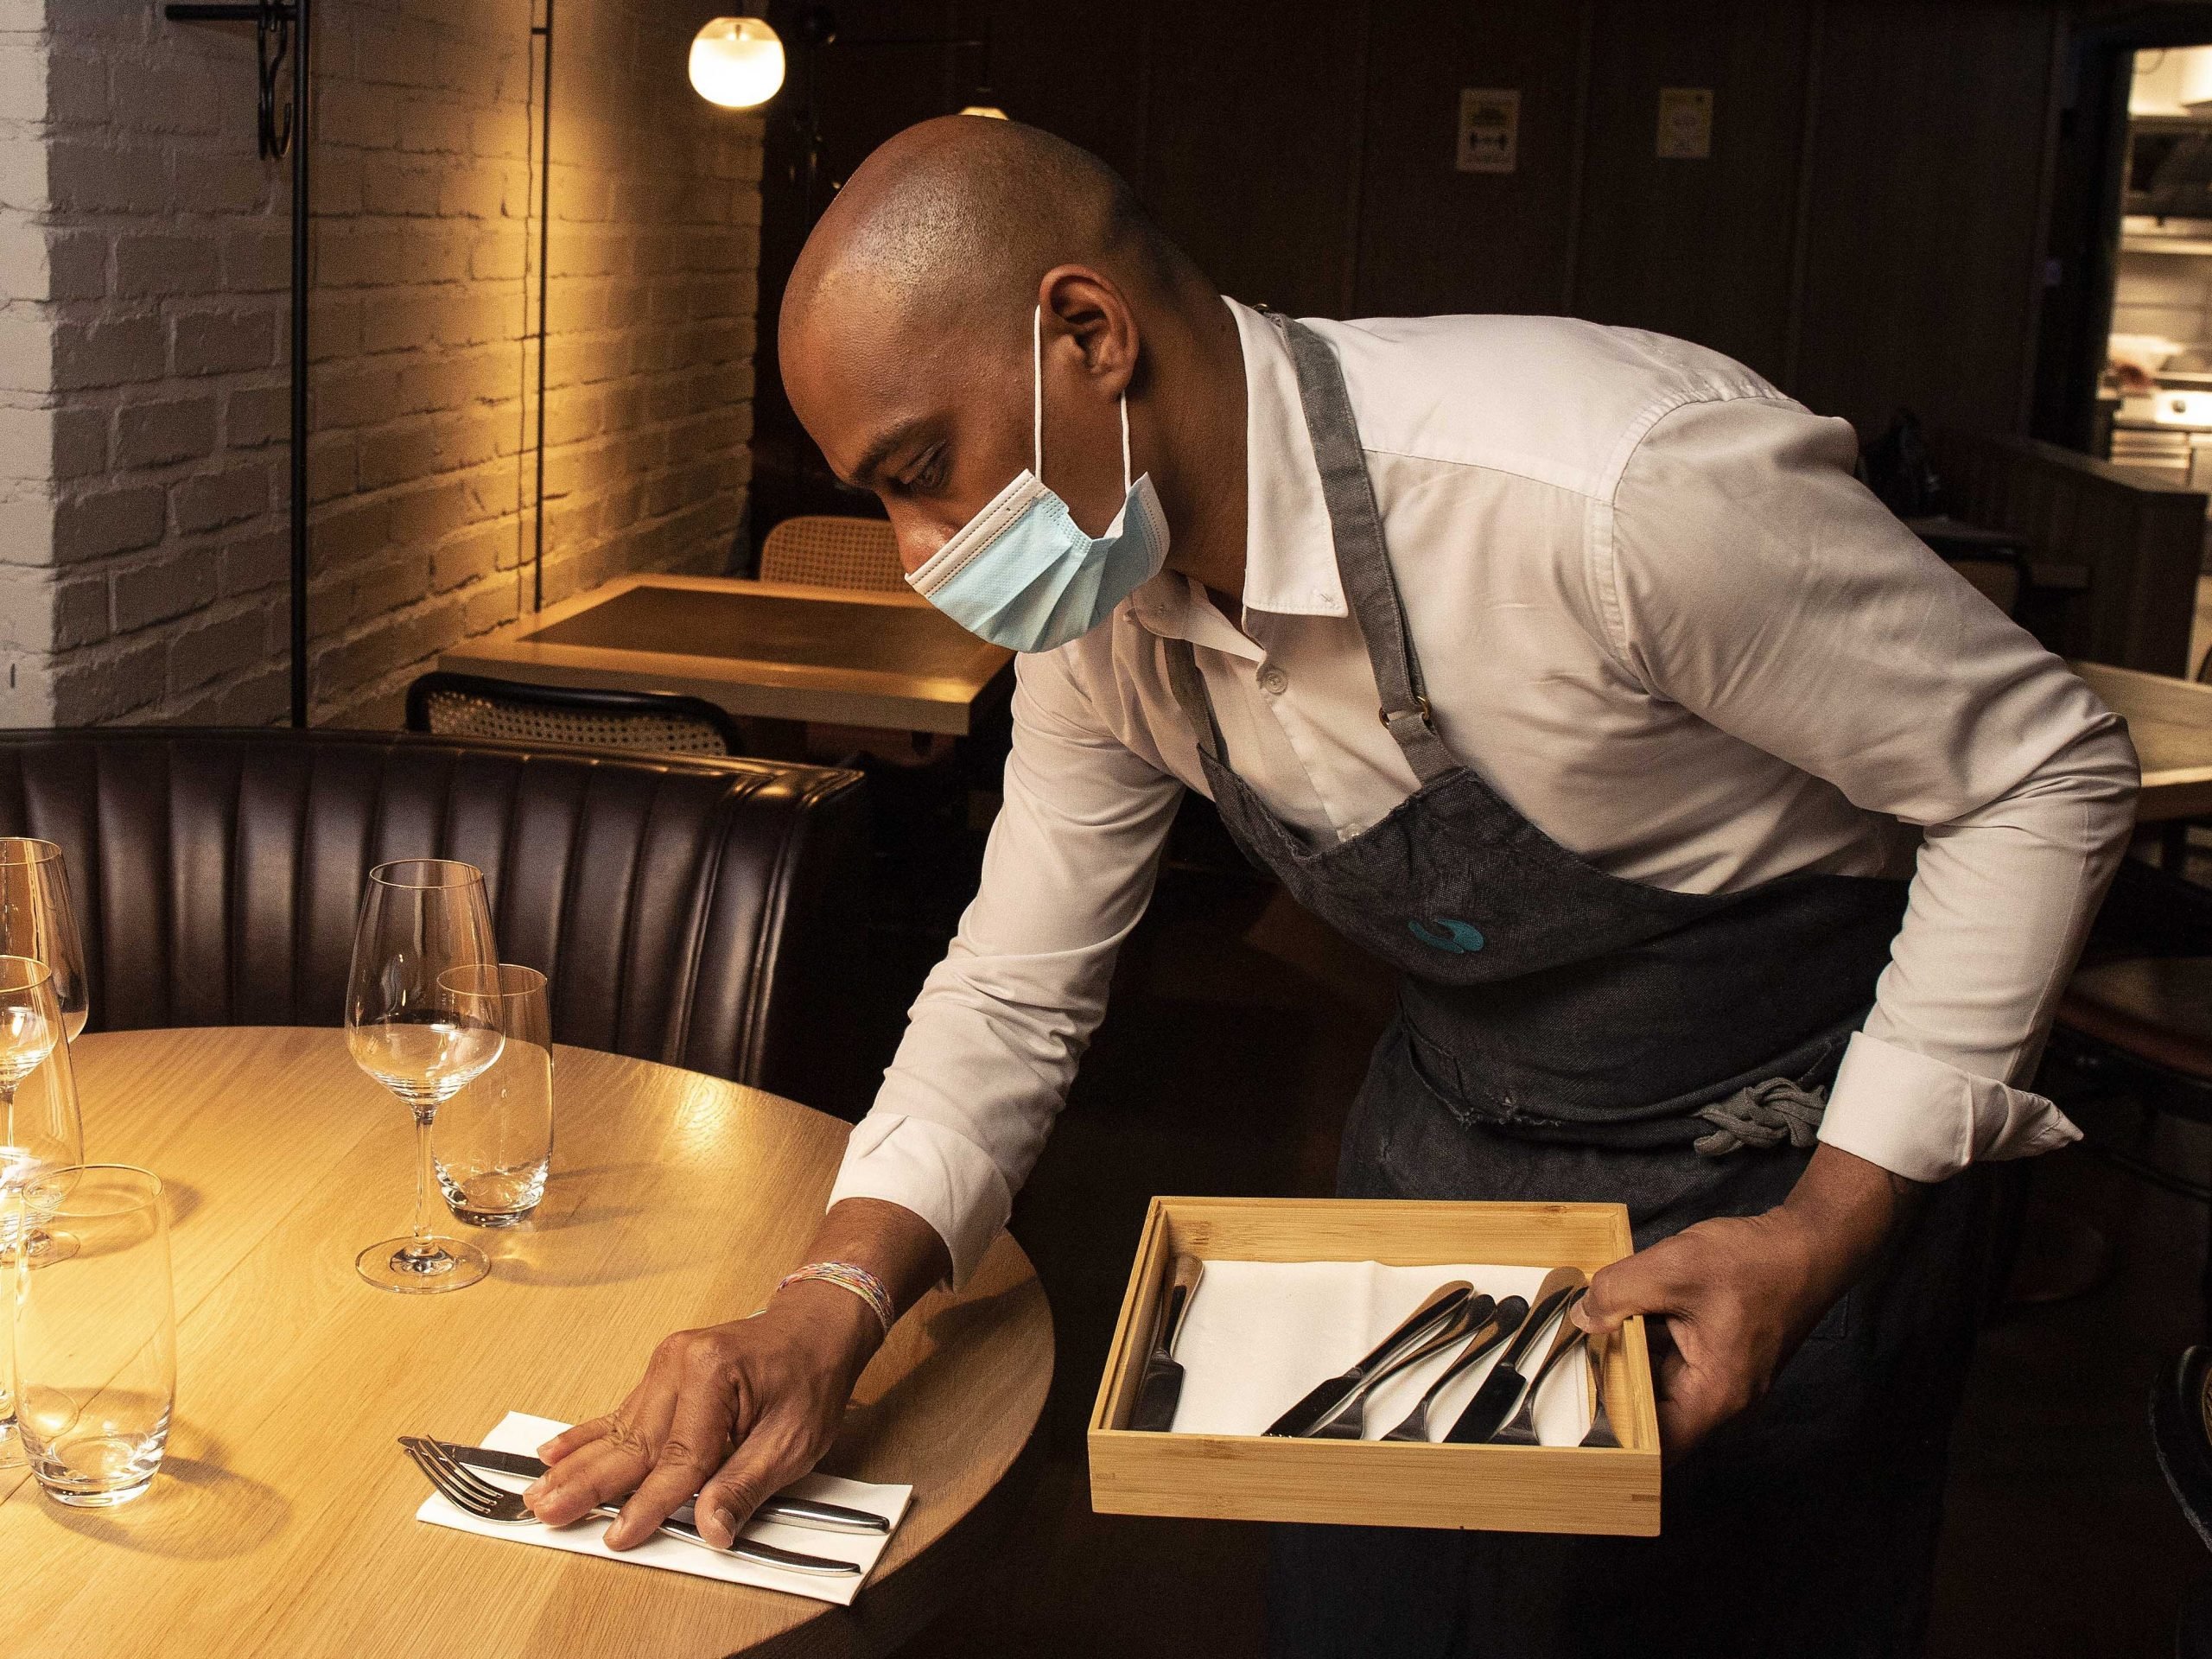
{"x": 825, "y": 551}
{"x": 570, "y": 716}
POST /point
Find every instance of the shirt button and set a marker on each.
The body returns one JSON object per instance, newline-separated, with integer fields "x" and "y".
{"x": 1273, "y": 680}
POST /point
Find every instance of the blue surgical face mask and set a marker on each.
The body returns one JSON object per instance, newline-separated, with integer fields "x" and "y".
{"x": 1022, "y": 574}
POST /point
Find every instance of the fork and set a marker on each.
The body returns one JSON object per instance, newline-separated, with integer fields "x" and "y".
{"x": 1601, "y": 1427}
{"x": 1522, "y": 1431}
{"x": 1350, "y": 1421}
{"x": 473, "y": 1496}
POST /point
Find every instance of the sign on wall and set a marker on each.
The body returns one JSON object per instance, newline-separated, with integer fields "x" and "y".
{"x": 1490, "y": 130}
{"x": 1685, "y": 123}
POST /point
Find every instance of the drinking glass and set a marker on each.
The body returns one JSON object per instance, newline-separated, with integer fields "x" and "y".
{"x": 493, "y": 1141}
{"x": 94, "y": 1366}
{"x": 41, "y": 1129}
{"x": 37, "y": 920}
{"x": 423, "y": 1038}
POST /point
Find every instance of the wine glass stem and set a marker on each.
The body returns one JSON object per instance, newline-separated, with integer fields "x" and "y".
{"x": 423, "y": 1181}
{"x": 17, "y": 1231}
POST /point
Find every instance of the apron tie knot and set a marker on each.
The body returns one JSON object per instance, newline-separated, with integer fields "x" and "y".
{"x": 1764, "y": 1115}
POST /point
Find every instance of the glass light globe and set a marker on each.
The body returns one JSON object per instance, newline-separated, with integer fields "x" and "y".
{"x": 989, "y": 111}
{"x": 736, "y": 62}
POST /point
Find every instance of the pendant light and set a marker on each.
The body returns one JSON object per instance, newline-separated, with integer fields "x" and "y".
{"x": 737, "y": 62}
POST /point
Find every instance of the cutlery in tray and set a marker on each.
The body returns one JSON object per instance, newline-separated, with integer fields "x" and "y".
{"x": 1452, "y": 1353}
{"x": 1277, "y": 1358}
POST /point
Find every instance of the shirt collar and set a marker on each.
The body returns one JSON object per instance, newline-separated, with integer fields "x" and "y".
{"x": 1290, "y": 554}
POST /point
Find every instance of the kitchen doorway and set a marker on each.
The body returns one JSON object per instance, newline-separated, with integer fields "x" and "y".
{"x": 2125, "y": 348}
{"x": 2154, "y": 399}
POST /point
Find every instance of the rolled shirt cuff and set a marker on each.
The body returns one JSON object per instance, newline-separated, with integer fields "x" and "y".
{"x": 938, "y": 1173}
{"x": 1925, "y": 1120}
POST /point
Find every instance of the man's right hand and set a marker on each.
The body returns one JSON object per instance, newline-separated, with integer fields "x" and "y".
{"x": 735, "y": 1413}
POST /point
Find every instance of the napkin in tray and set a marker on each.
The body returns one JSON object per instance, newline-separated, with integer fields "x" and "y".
{"x": 518, "y": 1431}
{"x": 1259, "y": 1335}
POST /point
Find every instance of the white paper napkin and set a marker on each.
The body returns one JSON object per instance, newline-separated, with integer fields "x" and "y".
{"x": 1260, "y": 1335}
{"x": 518, "y": 1431}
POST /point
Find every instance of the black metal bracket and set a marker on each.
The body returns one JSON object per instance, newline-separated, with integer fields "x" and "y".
{"x": 272, "y": 21}
{"x": 281, "y": 31}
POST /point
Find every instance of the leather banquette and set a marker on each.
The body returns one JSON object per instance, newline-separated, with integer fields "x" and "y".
{"x": 705, "y": 913}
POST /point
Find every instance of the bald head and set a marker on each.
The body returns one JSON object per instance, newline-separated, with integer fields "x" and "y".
{"x": 954, "y": 221}
{"x": 906, "y": 332}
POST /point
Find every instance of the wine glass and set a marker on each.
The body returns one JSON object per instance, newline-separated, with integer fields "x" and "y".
{"x": 41, "y": 1129}
{"x": 42, "y": 1140}
{"x": 421, "y": 1037}
{"x": 37, "y": 920}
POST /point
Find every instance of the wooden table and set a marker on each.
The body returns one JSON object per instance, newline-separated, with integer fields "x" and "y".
{"x": 2170, "y": 721}
{"x": 283, "y": 1523}
{"x": 769, "y": 650}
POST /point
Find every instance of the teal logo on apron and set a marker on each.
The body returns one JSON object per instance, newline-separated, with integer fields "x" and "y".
{"x": 1446, "y": 934}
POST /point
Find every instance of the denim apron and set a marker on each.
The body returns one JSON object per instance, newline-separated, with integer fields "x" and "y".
{"x": 1563, "y": 1033}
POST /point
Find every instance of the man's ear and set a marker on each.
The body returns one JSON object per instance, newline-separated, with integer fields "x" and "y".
{"x": 1087, "y": 311}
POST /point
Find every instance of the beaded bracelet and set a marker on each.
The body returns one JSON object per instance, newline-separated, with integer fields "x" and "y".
{"x": 848, "y": 1276}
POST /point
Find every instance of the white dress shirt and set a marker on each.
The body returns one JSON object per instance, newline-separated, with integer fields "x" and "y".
{"x": 1659, "y": 618}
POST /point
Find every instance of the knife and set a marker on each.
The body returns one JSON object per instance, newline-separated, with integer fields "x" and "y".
{"x": 1501, "y": 1391}
{"x": 1325, "y": 1401}
{"x": 791, "y": 1511}
{"x": 1161, "y": 1388}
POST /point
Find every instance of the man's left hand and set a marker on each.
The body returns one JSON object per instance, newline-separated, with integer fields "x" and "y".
{"x": 1739, "y": 1292}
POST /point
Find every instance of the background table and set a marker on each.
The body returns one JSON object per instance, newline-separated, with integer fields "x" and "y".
{"x": 769, "y": 650}
{"x": 2171, "y": 722}
{"x": 282, "y": 1523}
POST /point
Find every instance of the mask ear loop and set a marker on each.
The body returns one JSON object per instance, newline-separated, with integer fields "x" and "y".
{"x": 1036, "y": 403}
{"x": 1125, "y": 443}
{"x": 1037, "y": 389}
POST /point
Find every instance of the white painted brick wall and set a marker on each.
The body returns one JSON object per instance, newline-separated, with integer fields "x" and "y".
{"x": 143, "y": 337}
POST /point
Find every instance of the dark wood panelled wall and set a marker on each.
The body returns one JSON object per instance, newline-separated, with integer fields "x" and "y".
{"x": 1867, "y": 231}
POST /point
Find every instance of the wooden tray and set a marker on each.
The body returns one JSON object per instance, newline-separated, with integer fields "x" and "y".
{"x": 1373, "y": 1482}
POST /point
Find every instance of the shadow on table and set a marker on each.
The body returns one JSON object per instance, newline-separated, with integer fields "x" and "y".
{"x": 196, "y": 1510}
{"x": 951, "y": 1329}
{"x": 509, "y": 1248}
{"x": 561, "y": 1212}
{"x": 182, "y": 1197}
{"x": 512, "y": 1260}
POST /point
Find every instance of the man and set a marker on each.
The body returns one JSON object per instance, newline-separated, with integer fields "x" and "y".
{"x": 1567, "y": 669}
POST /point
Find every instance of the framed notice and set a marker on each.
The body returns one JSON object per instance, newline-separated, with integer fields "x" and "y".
{"x": 1490, "y": 130}
{"x": 1685, "y": 123}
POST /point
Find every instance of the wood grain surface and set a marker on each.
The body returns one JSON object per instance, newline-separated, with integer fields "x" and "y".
{"x": 2170, "y": 721}
{"x": 282, "y": 1520}
{"x": 941, "y": 697}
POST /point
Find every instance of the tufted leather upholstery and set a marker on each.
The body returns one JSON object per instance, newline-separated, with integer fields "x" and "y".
{"x": 700, "y": 913}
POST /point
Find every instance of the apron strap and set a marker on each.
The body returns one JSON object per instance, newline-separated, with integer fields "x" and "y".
{"x": 1362, "y": 563}
{"x": 1362, "y": 556}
